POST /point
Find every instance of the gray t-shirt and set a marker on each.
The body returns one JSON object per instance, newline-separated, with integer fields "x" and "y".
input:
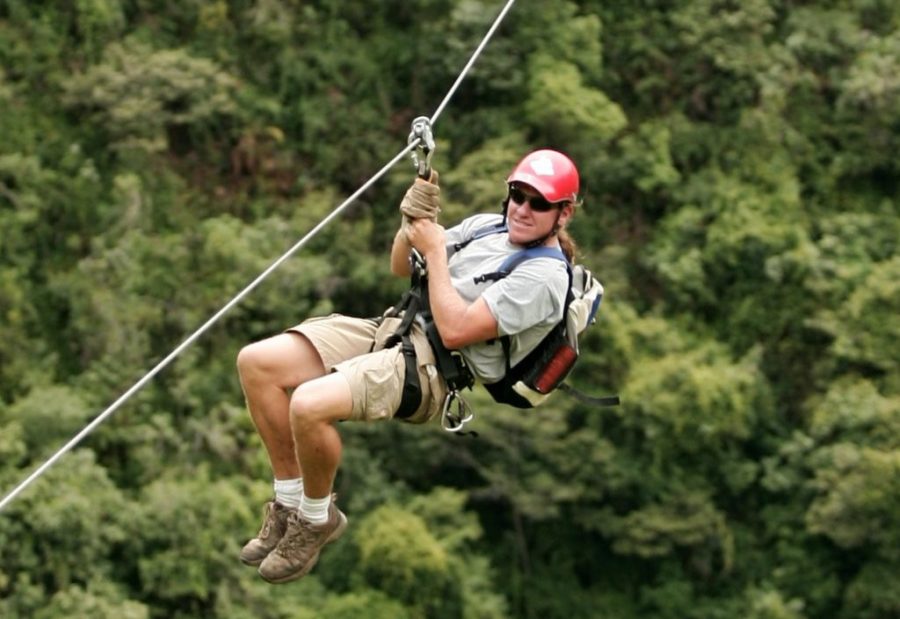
{"x": 527, "y": 303}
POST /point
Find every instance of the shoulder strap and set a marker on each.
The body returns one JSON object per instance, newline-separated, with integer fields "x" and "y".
{"x": 518, "y": 258}
{"x": 488, "y": 230}
{"x": 532, "y": 252}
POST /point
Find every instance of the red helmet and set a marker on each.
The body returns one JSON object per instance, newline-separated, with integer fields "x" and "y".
{"x": 551, "y": 173}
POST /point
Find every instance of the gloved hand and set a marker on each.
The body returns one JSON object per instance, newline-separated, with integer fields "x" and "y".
{"x": 422, "y": 199}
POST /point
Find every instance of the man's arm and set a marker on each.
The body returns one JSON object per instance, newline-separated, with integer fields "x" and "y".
{"x": 400, "y": 254}
{"x": 459, "y": 322}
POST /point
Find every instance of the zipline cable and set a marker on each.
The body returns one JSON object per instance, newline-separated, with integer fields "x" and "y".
{"x": 475, "y": 54}
{"x": 252, "y": 285}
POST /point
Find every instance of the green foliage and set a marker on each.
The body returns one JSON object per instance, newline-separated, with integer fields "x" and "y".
{"x": 473, "y": 186}
{"x": 51, "y": 540}
{"x": 858, "y": 493}
{"x": 738, "y": 161}
{"x": 171, "y": 530}
{"x": 854, "y": 411}
{"x": 364, "y": 603}
{"x": 49, "y": 415}
{"x": 564, "y": 109}
{"x": 770, "y": 604}
{"x": 868, "y": 320}
{"x": 99, "y": 22}
{"x": 700, "y": 399}
{"x": 873, "y": 593}
{"x": 150, "y": 100}
{"x": 399, "y": 556}
{"x": 646, "y": 159}
{"x": 103, "y": 603}
{"x": 682, "y": 522}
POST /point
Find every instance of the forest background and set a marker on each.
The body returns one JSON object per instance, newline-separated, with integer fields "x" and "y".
{"x": 741, "y": 178}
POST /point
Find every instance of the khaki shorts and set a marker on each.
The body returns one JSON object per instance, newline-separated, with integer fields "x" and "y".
{"x": 355, "y": 348}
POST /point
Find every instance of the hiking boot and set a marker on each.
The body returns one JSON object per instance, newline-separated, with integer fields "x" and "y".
{"x": 297, "y": 552}
{"x": 274, "y": 525}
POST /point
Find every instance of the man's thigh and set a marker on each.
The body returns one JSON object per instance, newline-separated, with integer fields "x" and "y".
{"x": 354, "y": 347}
{"x": 376, "y": 382}
{"x": 286, "y": 360}
{"x": 337, "y": 338}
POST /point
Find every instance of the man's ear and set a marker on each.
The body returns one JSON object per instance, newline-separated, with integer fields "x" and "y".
{"x": 565, "y": 213}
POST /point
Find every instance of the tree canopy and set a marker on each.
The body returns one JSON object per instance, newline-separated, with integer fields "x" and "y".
{"x": 741, "y": 186}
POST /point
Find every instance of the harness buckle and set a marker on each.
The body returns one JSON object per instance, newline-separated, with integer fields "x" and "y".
{"x": 454, "y": 421}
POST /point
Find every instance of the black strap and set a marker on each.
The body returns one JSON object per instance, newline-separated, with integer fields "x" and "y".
{"x": 411, "y": 398}
{"x": 514, "y": 260}
{"x": 450, "y": 365}
{"x": 407, "y": 308}
{"x": 610, "y": 400}
{"x": 488, "y": 230}
{"x": 507, "y": 345}
{"x": 409, "y": 305}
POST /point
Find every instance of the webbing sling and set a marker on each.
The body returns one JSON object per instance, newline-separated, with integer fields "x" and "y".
{"x": 411, "y": 396}
{"x": 415, "y": 306}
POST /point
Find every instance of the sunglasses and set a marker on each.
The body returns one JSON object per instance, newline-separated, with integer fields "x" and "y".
{"x": 538, "y": 203}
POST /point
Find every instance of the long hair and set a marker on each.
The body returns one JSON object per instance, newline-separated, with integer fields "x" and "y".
{"x": 567, "y": 244}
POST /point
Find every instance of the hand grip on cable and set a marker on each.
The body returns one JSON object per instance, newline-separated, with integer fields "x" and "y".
{"x": 422, "y": 199}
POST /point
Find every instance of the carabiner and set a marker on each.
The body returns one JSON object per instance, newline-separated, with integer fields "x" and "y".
{"x": 417, "y": 263}
{"x": 454, "y": 422}
{"x": 421, "y": 155}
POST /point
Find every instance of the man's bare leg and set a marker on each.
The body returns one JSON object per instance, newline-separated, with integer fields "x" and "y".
{"x": 315, "y": 406}
{"x": 268, "y": 369}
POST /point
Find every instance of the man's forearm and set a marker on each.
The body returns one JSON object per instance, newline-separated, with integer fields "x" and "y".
{"x": 459, "y": 322}
{"x": 447, "y": 306}
{"x": 400, "y": 254}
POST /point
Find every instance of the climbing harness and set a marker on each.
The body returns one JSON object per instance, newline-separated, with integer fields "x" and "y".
{"x": 252, "y": 285}
{"x": 415, "y": 307}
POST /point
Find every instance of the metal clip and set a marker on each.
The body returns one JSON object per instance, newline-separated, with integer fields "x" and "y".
{"x": 454, "y": 422}
{"x": 417, "y": 262}
{"x": 421, "y": 155}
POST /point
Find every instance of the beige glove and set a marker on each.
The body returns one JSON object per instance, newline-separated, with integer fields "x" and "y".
{"x": 422, "y": 199}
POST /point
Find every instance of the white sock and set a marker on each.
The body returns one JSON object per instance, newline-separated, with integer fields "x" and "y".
{"x": 289, "y": 491}
{"x": 315, "y": 510}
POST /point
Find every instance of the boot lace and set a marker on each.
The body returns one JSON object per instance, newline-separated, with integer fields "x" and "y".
{"x": 299, "y": 537}
{"x": 268, "y": 521}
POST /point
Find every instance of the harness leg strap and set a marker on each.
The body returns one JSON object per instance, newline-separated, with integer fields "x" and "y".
{"x": 411, "y": 397}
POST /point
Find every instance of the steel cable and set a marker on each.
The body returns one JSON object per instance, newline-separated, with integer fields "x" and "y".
{"x": 252, "y": 285}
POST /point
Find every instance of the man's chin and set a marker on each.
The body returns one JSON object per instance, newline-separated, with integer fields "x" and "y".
{"x": 520, "y": 235}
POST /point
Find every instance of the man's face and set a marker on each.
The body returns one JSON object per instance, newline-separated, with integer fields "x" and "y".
{"x": 529, "y": 216}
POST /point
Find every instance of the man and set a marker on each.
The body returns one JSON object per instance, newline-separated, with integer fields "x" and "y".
{"x": 299, "y": 383}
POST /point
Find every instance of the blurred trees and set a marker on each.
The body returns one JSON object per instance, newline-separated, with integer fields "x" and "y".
{"x": 740, "y": 179}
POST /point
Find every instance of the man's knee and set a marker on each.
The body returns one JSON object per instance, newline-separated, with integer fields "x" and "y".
{"x": 251, "y": 359}
{"x": 303, "y": 408}
{"x": 325, "y": 400}
{"x": 287, "y": 360}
